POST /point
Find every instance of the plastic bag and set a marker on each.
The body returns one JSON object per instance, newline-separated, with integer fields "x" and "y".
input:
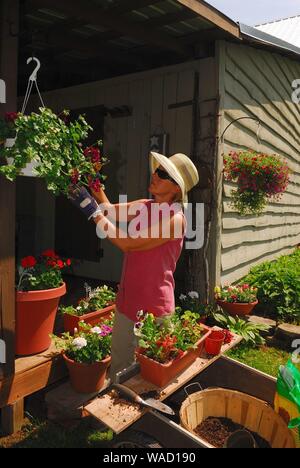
{"x": 287, "y": 398}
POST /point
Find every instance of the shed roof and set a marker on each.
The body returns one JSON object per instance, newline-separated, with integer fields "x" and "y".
{"x": 287, "y": 29}
{"x": 79, "y": 41}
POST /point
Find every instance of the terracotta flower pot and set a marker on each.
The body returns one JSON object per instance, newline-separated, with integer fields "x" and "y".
{"x": 93, "y": 318}
{"x": 87, "y": 378}
{"x": 214, "y": 342}
{"x": 236, "y": 308}
{"x": 35, "y": 317}
{"x": 161, "y": 374}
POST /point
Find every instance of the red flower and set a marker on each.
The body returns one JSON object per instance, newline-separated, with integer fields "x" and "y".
{"x": 11, "y": 116}
{"x": 68, "y": 262}
{"x": 28, "y": 262}
{"x": 93, "y": 154}
{"x": 95, "y": 185}
{"x": 75, "y": 176}
{"x": 49, "y": 253}
{"x": 60, "y": 264}
{"x": 228, "y": 336}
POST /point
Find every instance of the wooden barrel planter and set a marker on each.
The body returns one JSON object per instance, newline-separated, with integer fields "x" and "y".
{"x": 255, "y": 415}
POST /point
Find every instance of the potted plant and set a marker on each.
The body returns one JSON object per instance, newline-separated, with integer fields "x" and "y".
{"x": 40, "y": 287}
{"x": 54, "y": 145}
{"x": 167, "y": 348}
{"x": 237, "y": 300}
{"x": 98, "y": 305}
{"x": 260, "y": 178}
{"x": 192, "y": 302}
{"x": 87, "y": 355}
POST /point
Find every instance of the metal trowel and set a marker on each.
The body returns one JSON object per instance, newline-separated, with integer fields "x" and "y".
{"x": 149, "y": 402}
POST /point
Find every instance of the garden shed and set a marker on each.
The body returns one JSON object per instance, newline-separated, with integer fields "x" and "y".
{"x": 174, "y": 73}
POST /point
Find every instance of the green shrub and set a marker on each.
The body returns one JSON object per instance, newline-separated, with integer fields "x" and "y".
{"x": 278, "y": 286}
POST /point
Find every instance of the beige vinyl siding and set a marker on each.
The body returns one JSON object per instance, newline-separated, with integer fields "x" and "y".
{"x": 126, "y": 139}
{"x": 259, "y": 84}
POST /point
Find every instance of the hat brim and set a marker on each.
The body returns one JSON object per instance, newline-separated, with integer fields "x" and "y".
{"x": 157, "y": 160}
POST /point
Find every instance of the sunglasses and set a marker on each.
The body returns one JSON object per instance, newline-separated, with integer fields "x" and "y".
{"x": 164, "y": 175}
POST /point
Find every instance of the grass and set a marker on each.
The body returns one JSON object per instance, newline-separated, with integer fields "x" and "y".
{"x": 45, "y": 434}
{"x": 39, "y": 432}
{"x": 265, "y": 359}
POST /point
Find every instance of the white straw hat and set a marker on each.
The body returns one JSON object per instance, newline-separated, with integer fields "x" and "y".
{"x": 180, "y": 168}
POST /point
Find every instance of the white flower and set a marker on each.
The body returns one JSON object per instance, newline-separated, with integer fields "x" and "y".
{"x": 193, "y": 295}
{"x": 96, "y": 330}
{"x": 182, "y": 297}
{"x": 79, "y": 343}
{"x": 140, "y": 314}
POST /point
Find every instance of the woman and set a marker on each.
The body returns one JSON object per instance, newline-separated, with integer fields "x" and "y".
{"x": 151, "y": 254}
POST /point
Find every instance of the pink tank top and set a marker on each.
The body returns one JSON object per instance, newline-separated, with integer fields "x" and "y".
{"x": 147, "y": 281}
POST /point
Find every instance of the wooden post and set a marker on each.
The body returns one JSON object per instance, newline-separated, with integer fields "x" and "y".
{"x": 12, "y": 417}
{"x": 9, "y": 21}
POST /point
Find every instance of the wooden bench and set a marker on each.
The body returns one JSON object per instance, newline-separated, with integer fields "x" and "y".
{"x": 32, "y": 374}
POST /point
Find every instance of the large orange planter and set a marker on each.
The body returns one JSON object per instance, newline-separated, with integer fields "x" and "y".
{"x": 35, "y": 317}
{"x": 236, "y": 308}
{"x": 93, "y": 318}
{"x": 87, "y": 378}
{"x": 161, "y": 374}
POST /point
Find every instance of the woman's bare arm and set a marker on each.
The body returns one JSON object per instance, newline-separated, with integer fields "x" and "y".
{"x": 144, "y": 241}
{"x": 119, "y": 212}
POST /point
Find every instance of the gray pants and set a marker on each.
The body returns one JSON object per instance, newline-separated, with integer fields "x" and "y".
{"x": 123, "y": 344}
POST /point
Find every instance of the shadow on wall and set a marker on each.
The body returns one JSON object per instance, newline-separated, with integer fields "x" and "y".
{"x": 116, "y": 183}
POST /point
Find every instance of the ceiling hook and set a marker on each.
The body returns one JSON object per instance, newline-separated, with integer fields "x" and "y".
{"x": 33, "y": 75}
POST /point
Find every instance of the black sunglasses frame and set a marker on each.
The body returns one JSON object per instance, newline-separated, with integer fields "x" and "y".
{"x": 163, "y": 175}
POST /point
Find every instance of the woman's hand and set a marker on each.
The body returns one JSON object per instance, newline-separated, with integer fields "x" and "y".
{"x": 81, "y": 198}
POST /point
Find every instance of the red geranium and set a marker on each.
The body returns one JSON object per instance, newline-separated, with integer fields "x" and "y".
{"x": 11, "y": 116}
{"x": 42, "y": 272}
{"x": 28, "y": 262}
{"x": 49, "y": 253}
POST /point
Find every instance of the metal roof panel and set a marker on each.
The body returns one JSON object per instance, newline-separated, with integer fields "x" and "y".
{"x": 287, "y": 29}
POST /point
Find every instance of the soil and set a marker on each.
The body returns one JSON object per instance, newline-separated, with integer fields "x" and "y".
{"x": 216, "y": 431}
{"x": 117, "y": 400}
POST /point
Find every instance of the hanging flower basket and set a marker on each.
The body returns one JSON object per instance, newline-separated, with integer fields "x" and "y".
{"x": 50, "y": 146}
{"x": 261, "y": 178}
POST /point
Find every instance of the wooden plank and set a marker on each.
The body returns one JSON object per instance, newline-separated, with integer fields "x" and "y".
{"x": 31, "y": 380}
{"x": 169, "y": 115}
{"x": 272, "y": 208}
{"x": 118, "y": 418}
{"x": 251, "y": 235}
{"x": 12, "y": 417}
{"x": 238, "y": 272}
{"x": 276, "y": 219}
{"x": 184, "y": 115}
{"x": 250, "y": 253}
{"x": 212, "y": 15}
{"x": 247, "y": 77}
{"x": 8, "y": 72}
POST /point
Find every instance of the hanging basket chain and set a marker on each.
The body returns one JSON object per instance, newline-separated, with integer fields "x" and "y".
{"x": 32, "y": 81}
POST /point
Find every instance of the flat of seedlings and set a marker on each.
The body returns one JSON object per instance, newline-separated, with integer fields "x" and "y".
{"x": 119, "y": 415}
